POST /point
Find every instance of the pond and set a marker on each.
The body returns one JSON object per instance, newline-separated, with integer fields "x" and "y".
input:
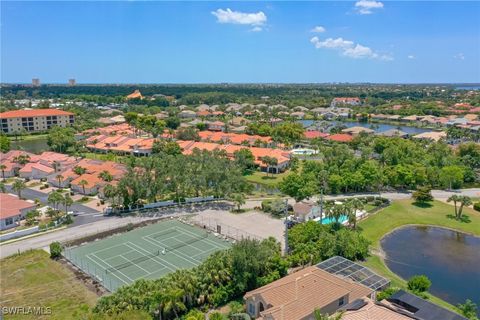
{"x": 450, "y": 259}
{"x": 30, "y": 145}
{"x": 378, "y": 127}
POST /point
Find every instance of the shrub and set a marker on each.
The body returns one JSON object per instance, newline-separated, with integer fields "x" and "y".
{"x": 476, "y": 206}
{"x": 266, "y": 205}
{"x": 46, "y": 186}
{"x": 419, "y": 283}
{"x": 130, "y": 226}
{"x": 387, "y": 293}
{"x": 55, "y": 250}
{"x": 68, "y": 219}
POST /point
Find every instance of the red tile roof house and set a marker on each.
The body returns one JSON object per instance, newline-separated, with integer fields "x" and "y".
{"x": 216, "y": 126}
{"x": 296, "y": 296}
{"x": 345, "y": 101}
{"x": 12, "y": 210}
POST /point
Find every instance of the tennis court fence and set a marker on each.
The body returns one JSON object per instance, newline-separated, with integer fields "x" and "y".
{"x": 224, "y": 229}
{"x": 102, "y": 276}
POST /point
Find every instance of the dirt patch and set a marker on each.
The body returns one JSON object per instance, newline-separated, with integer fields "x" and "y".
{"x": 89, "y": 282}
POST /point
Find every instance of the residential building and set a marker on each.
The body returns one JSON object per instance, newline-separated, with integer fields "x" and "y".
{"x": 12, "y": 210}
{"x": 368, "y": 309}
{"x": 299, "y": 294}
{"x": 306, "y": 211}
{"x": 34, "y": 120}
{"x": 72, "y": 82}
{"x": 187, "y": 114}
{"x": 340, "y": 137}
{"x": 216, "y": 126}
{"x": 433, "y": 135}
{"x": 355, "y": 131}
{"x": 36, "y": 82}
{"x": 135, "y": 95}
{"x": 393, "y": 133}
{"x": 342, "y": 101}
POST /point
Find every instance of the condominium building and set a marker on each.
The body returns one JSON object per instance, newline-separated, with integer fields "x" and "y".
{"x": 36, "y": 82}
{"x": 72, "y": 82}
{"x": 35, "y": 120}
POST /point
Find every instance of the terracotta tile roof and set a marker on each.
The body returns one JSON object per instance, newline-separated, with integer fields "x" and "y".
{"x": 29, "y": 166}
{"x": 297, "y": 295}
{"x": 340, "y": 137}
{"x": 34, "y": 113}
{"x": 373, "y": 311}
{"x": 11, "y": 205}
{"x": 312, "y": 134}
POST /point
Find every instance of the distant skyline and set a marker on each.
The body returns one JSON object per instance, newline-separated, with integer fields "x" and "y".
{"x": 240, "y": 42}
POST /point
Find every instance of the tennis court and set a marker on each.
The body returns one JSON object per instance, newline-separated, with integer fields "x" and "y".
{"x": 145, "y": 253}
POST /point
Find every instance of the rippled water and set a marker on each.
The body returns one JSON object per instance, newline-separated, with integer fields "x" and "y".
{"x": 450, "y": 259}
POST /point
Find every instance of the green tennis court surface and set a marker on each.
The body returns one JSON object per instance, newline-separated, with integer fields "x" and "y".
{"x": 149, "y": 252}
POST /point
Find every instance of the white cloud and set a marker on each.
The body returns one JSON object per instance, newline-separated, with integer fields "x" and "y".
{"x": 459, "y": 56}
{"x": 318, "y": 29}
{"x": 236, "y": 17}
{"x": 367, "y": 6}
{"x": 256, "y": 29}
{"x": 411, "y": 56}
{"x": 349, "y": 48}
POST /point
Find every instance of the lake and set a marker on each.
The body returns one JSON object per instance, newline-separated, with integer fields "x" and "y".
{"x": 30, "y": 145}
{"x": 378, "y": 127}
{"x": 450, "y": 259}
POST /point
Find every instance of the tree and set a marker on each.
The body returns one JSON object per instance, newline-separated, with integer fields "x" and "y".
{"x": 4, "y": 143}
{"x": 67, "y": 202}
{"x": 464, "y": 201}
{"x": 423, "y": 194}
{"x": 469, "y": 309}
{"x": 59, "y": 178}
{"x": 105, "y": 176}
{"x": 238, "y": 199}
{"x": 188, "y": 133}
{"x": 61, "y": 139}
{"x": 166, "y": 147}
{"x": 55, "y": 198}
{"x": 83, "y": 183}
{"x": 18, "y": 186}
{"x": 419, "y": 284}
{"x": 3, "y": 189}
{"x": 172, "y": 122}
{"x": 452, "y": 177}
{"x": 3, "y": 167}
{"x": 298, "y": 186}
{"x": 55, "y": 250}
{"x": 22, "y": 159}
{"x": 171, "y": 302}
{"x": 31, "y": 216}
{"x": 79, "y": 170}
{"x": 318, "y": 315}
{"x": 353, "y": 205}
{"x": 216, "y": 316}
{"x": 245, "y": 159}
{"x": 269, "y": 162}
{"x": 454, "y": 198}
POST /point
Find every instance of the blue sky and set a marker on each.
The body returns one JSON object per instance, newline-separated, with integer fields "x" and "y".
{"x": 204, "y": 42}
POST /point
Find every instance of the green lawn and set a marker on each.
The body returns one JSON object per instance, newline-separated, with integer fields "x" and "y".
{"x": 270, "y": 180}
{"x": 33, "y": 279}
{"x": 29, "y": 137}
{"x": 403, "y": 212}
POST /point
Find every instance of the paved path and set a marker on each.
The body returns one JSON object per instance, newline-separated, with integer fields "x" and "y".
{"x": 34, "y": 194}
{"x": 44, "y": 240}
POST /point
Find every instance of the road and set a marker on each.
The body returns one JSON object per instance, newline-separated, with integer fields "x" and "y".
{"x": 44, "y": 240}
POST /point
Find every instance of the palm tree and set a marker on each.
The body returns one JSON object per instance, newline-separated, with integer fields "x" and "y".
{"x": 3, "y": 167}
{"x": 67, "y": 202}
{"x": 55, "y": 198}
{"x": 336, "y": 212}
{"x": 454, "y": 199}
{"x": 18, "y": 186}
{"x": 355, "y": 205}
{"x": 105, "y": 176}
{"x": 2, "y": 187}
{"x": 83, "y": 183}
{"x": 171, "y": 302}
{"x": 59, "y": 178}
{"x": 464, "y": 201}
{"x": 318, "y": 315}
{"x": 79, "y": 170}
{"x": 238, "y": 199}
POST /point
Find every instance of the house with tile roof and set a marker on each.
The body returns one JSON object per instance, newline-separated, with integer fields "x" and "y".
{"x": 299, "y": 294}
{"x": 12, "y": 210}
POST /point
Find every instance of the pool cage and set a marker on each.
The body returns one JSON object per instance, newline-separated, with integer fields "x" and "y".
{"x": 345, "y": 268}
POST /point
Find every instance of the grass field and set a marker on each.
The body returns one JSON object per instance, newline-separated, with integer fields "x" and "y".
{"x": 149, "y": 252}
{"x": 270, "y": 180}
{"x": 403, "y": 212}
{"x": 33, "y": 279}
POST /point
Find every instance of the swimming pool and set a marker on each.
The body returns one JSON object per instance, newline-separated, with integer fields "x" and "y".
{"x": 330, "y": 220}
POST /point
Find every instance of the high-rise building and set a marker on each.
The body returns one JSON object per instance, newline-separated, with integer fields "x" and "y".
{"x": 36, "y": 82}
{"x": 72, "y": 82}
